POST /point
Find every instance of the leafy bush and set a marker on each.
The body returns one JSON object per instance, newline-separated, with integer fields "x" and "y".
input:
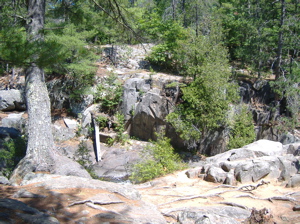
{"x": 109, "y": 93}
{"x": 121, "y": 137}
{"x": 102, "y": 121}
{"x": 159, "y": 159}
{"x": 242, "y": 132}
{"x": 82, "y": 156}
{"x": 12, "y": 152}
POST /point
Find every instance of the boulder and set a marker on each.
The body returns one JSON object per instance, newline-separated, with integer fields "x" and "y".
{"x": 149, "y": 116}
{"x": 6, "y": 132}
{"x": 15, "y": 120}
{"x": 133, "y": 92}
{"x": 215, "y": 175}
{"x": 251, "y": 171}
{"x": 4, "y": 180}
{"x": 294, "y": 181}
{"x": 115, "y": 164}
{"x": 12, "y": 99}
{"x": 19, "y": 210}
{"x": 50, "y": 181}
{"x": 210, "y": 214}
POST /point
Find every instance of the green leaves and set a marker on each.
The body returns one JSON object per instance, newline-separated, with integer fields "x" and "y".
{"x": 159, "y": 159}
{"x": 242, "y": 130}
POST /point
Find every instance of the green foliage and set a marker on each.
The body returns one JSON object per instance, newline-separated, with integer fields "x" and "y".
{"x": 12, "y": 152}
{"x": 206, "y": 98}
{"x": 121, "y": 137}
{"x": 242, "y": 131}
{"x": 82, "y": 156}
{"x": 159, "y": 159}
{"x": 102, "y": 121}
{"x": 109, "y": 93}
{"x": 287, "y": 90}
{"x": 163, "y": 54}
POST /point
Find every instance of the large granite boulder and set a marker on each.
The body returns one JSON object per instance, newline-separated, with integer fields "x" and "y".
{"x": 12, "y": 99}
{"x": 149, "y": 116}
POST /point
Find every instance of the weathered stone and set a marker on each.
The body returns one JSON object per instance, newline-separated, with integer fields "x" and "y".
{"x": 149, "y": 116}
{"x": 211, "y": 214}
{"x": 4, "y": 180}
{"x": 294, "y": 181}
{"x": 251, "y": 171}
{"x": 194, "y": 173}
{"x": 115, "y": 163}
{"x": 22, "y": 193}
{"x": 14, "y": 120}
{"x": 12, "y": 100}
{"x": 215, "y": 175}
{"x": 71, "y": 123}
{"x": 50, "y": 181}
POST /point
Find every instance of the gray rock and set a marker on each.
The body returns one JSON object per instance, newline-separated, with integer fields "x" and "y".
{"x": 141, "y": 213}
{"x": 12, "y": 100}
{"x": 115, "y": 163}
{"x": 288, "y": 167}
{"x": 294, "y": 181}
{"x": 62, "y": 133}
{"x": 215, "y": 175}
{"x": 149, "y": 116}
{"x": 194, "y": 173}
{"x": 51, "y": 181}
{"x": 71, "y": 123}
{"x": 68, "y": 167}
{"x": 22, "y": 193}
{"x": 4, "y": 180}
{"x": 15, "y": 120}
{"x": 251, "y": 171}
{"x": 211, "y": 214}
{"x": 9, "y": 133}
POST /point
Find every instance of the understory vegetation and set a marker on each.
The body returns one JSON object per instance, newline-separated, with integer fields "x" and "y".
{"x": 158, "y": 159}
{"x": 11, "y": 153}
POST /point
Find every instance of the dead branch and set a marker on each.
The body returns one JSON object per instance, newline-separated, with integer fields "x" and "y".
{"x": 233, "y": 205}
{"x": 225, "y": 186}
{"x": 192, "y": 197}
{"x": 94, "y": 202}
{"x": 275, "y": 198}
{"x": 101, "y": 208}
{"x": 252, "y": 187}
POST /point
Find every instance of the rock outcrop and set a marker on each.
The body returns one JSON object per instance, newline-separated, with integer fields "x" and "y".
{"x": 251, "y": 163}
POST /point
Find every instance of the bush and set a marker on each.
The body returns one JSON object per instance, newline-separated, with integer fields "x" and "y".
{"x": 82, "y": 156}
{"x": 161, "y": 160}
{"x": 121, "y": 137}
{"x": 12, "y": 152}
{"x": 242, "y": 132}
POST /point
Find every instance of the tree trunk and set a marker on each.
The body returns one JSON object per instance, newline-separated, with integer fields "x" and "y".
{"x": 278, "y": 63}
{"x": 39, "y": 155}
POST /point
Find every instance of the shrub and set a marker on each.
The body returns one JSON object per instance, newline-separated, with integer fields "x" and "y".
{"x": 12, "y": 152}
{"x": 159, "y": 159}
{"x": 242, "y": 132}
{"x": 82, "y": 156}
{"x": 121, "y": 137}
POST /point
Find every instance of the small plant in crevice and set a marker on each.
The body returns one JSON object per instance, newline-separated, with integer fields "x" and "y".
{"x": 159, "y": 159}
{"x": 82, "y": 156}
{"x": 11, "y": 153}
{"x": 109, "y": 94}
{"x": 121, "y": 137}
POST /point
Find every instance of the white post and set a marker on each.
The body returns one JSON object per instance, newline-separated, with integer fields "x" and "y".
{"x": 97, "y": 141}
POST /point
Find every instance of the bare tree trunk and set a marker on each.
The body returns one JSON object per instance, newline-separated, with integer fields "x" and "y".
{"x": 278, "y": 62}
{"x": 39, "y": 155}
